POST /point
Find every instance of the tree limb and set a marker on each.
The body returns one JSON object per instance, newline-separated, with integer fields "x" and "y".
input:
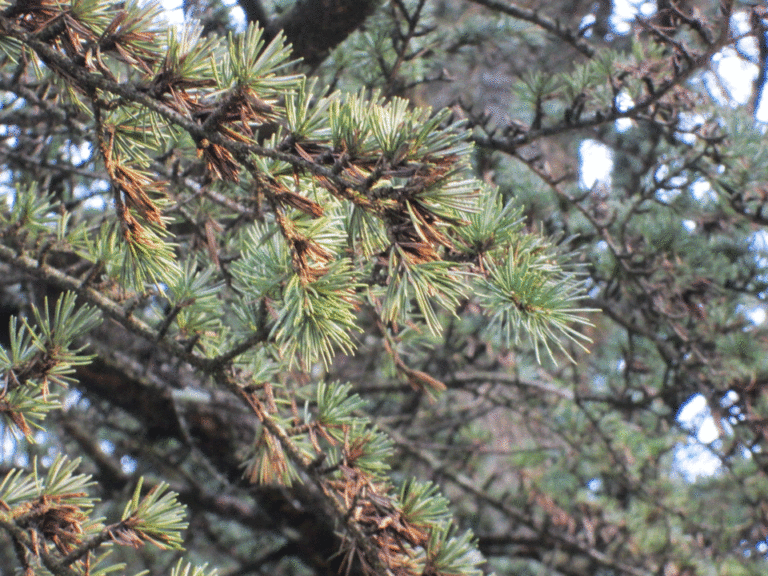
{"x": 315, "y": 27}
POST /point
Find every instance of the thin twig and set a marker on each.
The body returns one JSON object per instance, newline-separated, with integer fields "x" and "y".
{"x": 544, "y": 22}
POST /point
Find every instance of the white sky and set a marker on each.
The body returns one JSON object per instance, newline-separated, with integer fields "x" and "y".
{"x": 175, "y": 12}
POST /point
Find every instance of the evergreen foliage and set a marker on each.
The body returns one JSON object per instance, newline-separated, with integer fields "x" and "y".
{"x": 290, "y": 318}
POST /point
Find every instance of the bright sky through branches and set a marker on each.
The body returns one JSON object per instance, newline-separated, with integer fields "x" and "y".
{"x": 730, "y": 85}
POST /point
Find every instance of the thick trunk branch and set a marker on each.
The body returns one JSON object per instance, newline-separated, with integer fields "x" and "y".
{"x": 314, "y": 27}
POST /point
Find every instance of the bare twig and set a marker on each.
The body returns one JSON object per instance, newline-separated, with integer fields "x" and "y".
{"x": 544, "y": 22}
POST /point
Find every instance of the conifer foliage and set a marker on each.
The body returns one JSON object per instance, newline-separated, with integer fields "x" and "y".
{"x": 280, "y": 313}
